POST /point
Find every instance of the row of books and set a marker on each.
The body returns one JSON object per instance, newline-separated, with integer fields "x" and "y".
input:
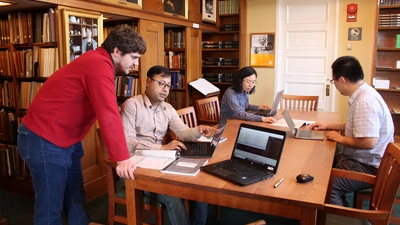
{"x": 220, "y": 44}
{"x": 4, "y": 32}
{"x": 176, "y": 99}
{"x": 5, "y": 63}
{"x": 389, "y": 19}
{"x": 28, "y": 28}
{"x": 174, "y": 60}
{"x": 230, "y": 27}
{"x": 228, "y": 7}
{"x": 219, "y": 77}
{"x": 389, "y": 2}
{"x": 174, "y": 39}
{"x": 107, "y": 30}
{"x": 28, "y": 91}
{"x": 127, "y": 86}
{"x": 8, "y": 126}
{"x": 11, "y": 163}
{"x": 7, "y": 96}
{"x": 36, "y": 62}
{"x": 216, "y": 63}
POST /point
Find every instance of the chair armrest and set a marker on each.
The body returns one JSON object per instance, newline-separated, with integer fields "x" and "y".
{"x": 353, "y": 175}
{"x": 356, "y": 213}
{"x": 208, "y": 122}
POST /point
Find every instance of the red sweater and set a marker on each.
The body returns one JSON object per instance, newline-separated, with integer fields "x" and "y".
{"x": 70, "y": 101}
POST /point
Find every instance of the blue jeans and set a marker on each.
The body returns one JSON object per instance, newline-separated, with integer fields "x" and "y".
{"x": 177, "y": 212}
{"x": 57, "y": 179}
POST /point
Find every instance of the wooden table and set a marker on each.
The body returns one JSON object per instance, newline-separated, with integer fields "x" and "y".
{"x": 291, "y": 199}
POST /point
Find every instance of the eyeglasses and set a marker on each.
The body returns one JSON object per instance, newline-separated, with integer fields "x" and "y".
{"x": 331, "y": 81}
{"x": 162, "y": 84}
{"x": 250, "y": 82}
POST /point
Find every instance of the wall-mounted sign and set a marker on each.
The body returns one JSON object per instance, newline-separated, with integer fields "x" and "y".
{"x": 354, "y": 34}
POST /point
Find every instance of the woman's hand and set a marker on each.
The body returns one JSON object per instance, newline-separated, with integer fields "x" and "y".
{"x": 269, "y": 119}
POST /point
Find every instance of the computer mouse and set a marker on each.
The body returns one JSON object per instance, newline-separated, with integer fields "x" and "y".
{"x": 304, "y": 178}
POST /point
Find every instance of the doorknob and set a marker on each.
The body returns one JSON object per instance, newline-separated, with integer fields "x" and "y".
{"x": 327, "y": 90}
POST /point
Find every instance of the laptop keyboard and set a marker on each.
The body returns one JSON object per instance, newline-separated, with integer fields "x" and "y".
{"x": 199, "y": 149}
{"x": 243, "y": 170}
{"x": 304, "y": 133}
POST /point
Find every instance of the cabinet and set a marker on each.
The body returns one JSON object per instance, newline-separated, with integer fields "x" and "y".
{"x": 223, "y": 51}
{"x": 387, "y": 55}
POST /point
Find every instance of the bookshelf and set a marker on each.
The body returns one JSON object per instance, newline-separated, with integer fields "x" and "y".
{"x": 222, "y": 52}
{"x": 387, "y": 58}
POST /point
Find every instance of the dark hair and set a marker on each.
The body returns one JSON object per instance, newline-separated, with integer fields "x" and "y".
{"x": 348, "y": 67}
{"x": 238, "y": 80}
{"x": 158, "y": 70}
{"x": 126, "y": 39}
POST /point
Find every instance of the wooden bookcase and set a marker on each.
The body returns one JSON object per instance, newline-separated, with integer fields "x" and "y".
{"x": 387, "y": 55}
{"x": 223, "y": 52}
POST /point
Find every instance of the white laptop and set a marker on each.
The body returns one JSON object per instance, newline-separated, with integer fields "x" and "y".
{"x": 302, "y": 134}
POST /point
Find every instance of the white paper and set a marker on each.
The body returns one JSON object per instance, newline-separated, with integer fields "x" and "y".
{"x": 297, "y": 123}
{"x": 382, "y": 84}
{"x": 204, "y": 86}
{"x": 154, "y": 159}
{"x": 158, "y": 153}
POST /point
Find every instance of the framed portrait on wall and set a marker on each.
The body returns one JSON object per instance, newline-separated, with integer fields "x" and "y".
{"x": 262, "y": 49}
{"x": 136, "y": 4}
{"x": 209, "y": 8}
{"x": 83, "y": 32}
{"x": 176, "y": 8}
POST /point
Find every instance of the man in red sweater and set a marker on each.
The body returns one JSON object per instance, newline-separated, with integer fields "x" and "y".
{"x": 63, "y": 111}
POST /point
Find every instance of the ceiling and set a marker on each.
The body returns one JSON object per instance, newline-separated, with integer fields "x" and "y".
{"x": 32, "y": 5}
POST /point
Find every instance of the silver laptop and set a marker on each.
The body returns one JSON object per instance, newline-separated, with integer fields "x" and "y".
{"x": 272, "y": 111}
{"x": 255, "y": 156}
{"x": 204, "y": 149}
{"x": 302, "y": 134}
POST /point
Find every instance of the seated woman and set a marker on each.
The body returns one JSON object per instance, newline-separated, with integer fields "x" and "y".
{"x": 235, "y": 101}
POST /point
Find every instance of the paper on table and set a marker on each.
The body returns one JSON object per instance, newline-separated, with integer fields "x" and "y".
{"x": 297, "y": 123}
{"x": 153, "y": 159}
{"x": 204, "y": 139}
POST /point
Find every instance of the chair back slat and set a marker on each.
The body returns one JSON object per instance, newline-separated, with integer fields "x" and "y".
{"x": 298, "y": 102}
{"x": 208, "y": 110}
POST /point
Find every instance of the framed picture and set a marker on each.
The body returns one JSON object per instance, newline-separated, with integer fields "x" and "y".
{"x": 262, "y": 49}
{"x": 209, "y": 8}
{"x": 83, "y": 32}
{"x": 176, "y": 8}
{"x": 136, "y": 4}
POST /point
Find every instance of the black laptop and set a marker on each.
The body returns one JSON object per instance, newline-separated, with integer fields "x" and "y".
{"x": 204, "y": 149}
{"x": 272, "y": 111}
{"x": 255, "y": 156}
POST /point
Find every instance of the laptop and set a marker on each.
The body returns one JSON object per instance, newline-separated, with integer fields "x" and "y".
{"x": 255, "y": 156}
{"x": 205, "y": 149}
{"x": 302, "y": 134}
{"x": 272, "y": 111}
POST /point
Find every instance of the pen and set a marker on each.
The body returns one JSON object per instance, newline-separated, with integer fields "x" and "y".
{"x": 279, "y": 182}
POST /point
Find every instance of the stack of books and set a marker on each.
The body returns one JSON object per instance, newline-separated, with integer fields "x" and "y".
{"x": 230, "y": 27}
{"x": 389, "y": 20}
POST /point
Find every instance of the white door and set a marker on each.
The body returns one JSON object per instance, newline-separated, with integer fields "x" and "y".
{"x": 306, "y": 47}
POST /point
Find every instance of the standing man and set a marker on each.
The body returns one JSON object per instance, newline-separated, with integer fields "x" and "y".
{"x": 146, "y": 119}
{"x": 60, "y": 116}
{"x": 368, "y": 129}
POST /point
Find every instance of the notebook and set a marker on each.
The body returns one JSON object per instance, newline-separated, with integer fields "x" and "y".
{"x": 205, "y": 149}
{"x": 272, "y": 111}
{"x": 255, "y": 156}
{"x": 303, "y": 134}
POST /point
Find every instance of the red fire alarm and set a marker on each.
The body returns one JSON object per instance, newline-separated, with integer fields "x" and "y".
{"x": 352, "y": 12}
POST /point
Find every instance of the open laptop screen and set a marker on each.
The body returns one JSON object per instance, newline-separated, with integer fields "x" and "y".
{"x": 259, "y": 144}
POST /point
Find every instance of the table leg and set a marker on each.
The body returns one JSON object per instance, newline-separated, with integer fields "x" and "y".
{"x": 134, "y": 203}
{"x": 308, "y": 216}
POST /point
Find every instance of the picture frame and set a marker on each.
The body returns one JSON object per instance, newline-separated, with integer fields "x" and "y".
{"x": 262, "y": 49}
{"x": 176, "y": 8}
{"x": 209, "y": 11}
{"x": 83, "y": 31}
{"x": 135, "y": 4}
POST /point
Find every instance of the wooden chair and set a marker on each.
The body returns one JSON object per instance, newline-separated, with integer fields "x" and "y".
{"x": 365, "y": 194}
{"x": 116, "y": 194}
{"x": 385, "y": 186}
{"x": 208, "y": 111}
{"x": 298, "y": 102}
{"x": 188, "y": 116}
